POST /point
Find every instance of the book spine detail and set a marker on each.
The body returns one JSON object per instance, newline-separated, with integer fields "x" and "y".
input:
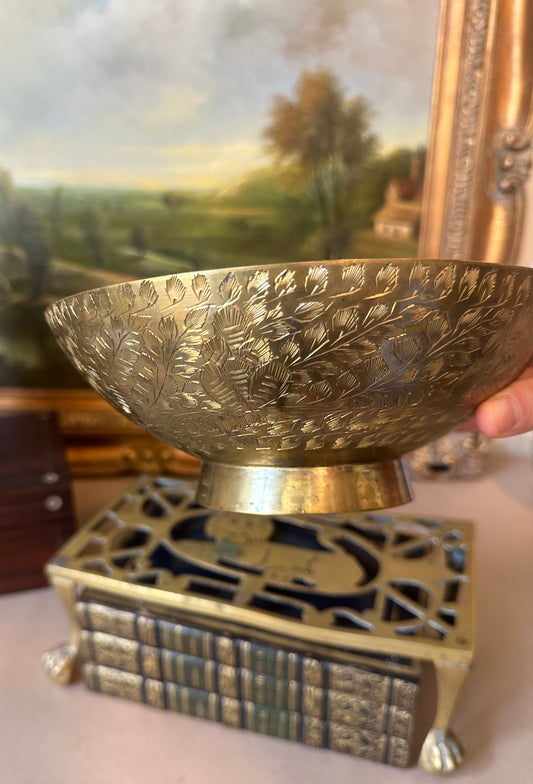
{"x": 247, "y": 715}
{"x": 238, "y": 653}
{"x": 211, "y": 676}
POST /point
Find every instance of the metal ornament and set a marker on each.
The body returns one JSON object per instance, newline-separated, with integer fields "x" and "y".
{"x": 300, "y": 386}
{"x": 458, "y": 455}
{"x": 350, "y": 587}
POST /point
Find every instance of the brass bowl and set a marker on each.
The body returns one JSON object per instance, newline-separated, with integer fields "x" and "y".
{"x": 300, "y": 385}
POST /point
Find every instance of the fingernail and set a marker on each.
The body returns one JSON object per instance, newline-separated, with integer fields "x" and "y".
{"x": 505, "y": 414}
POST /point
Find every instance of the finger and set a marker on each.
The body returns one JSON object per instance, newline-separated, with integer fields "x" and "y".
{"x": 469, "y": 426}
{"x": 510, "y": 412}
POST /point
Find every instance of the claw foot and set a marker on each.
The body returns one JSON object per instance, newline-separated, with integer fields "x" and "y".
{"x": 61, "y": 663}
{"x": 441, "y": 753}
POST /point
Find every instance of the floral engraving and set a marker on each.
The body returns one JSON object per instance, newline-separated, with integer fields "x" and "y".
{"x": 370, "y": 358}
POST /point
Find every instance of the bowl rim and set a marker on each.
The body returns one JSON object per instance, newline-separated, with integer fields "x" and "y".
{"x": 223, "y": 272}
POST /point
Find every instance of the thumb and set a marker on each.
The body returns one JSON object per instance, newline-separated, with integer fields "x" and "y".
{"x": 510, "y": 412}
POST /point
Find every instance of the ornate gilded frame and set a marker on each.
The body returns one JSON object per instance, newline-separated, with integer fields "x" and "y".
{"x": 480, "y": 134}
{"x": 473, "y": 207}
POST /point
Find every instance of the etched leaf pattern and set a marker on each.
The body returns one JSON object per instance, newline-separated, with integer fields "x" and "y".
{"x": 175, "y": 289}
{"x": 468, "y": 283}
{"x": 316, "y": 280}
{"x": 284, "y": 283}
{"x": 148, "y": 294}
{"x": 386, "y": 279}
{"x": 354, "y": 277}
{"x": 444, "y": 281}
{"x": 201, "y": 287}
{"x": 230, "y": 288}
{"x": 523, "y": 291}
{"x": 316, "y": 358}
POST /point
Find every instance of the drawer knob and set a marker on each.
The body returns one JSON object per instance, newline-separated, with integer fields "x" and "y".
{"x": 53, "y": 503}
{"x": 50, "y": 478}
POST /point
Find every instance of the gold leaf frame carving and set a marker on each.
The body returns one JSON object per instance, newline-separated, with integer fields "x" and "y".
{"x": 480, "y": 133}
{"x": 479, "y": 155}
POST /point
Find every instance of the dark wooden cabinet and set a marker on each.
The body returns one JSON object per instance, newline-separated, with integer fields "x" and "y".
{"x": 36, "y": 512}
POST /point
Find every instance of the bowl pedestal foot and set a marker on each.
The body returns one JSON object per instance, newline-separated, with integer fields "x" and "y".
{"x": 257, "y": 489}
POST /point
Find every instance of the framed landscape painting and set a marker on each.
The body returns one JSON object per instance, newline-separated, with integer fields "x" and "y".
{"x": 141, "y": 139}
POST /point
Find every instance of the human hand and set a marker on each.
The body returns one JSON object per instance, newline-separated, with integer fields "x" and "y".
{"x": 508, "y": 412}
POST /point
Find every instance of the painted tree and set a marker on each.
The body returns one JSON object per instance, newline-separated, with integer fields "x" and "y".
{"x": 92, "y": 231}
{"x": 56, "y": 218}
{"x": 139, "y": 240}
{"x": 329, "y": 138}
{"x": 172, "y": 200}
{"x": 7, "y": 210}
{"x": 31, "y": 238}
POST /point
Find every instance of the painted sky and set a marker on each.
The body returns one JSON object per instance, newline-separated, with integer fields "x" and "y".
{"x": 175, "y": 93}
